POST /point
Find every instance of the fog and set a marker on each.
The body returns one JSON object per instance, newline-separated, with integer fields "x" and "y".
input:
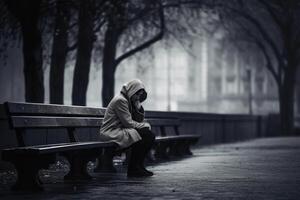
{"x": 196, "y": 67}
{"x": 176, "y": 79}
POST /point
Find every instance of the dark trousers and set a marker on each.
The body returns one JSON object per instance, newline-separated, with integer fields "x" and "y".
{"x": 140, "y": 149}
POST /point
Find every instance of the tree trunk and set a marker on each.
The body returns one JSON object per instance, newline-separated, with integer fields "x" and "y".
{"x": 59, "y": 54}
{"x": 32, "y": 52}
{"x": 298, "y": 98}
{"x": 109, "y": 64}
{"x": 84, "y": 54}
{"x": 108, "y": 86}
{"x": 286, "y": 104}
{"x": 27, "y": 14}
{"x": 114, "y": 30}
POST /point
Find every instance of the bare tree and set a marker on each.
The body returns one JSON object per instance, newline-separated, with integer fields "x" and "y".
{"x": 60, "y": 49}
{"x": 273, "y": 26}
{"x": 27, "y": 14}
{"x": 122, "y": 16}
{"x": 85, "y": 42}
{"x": 90, "y": 21}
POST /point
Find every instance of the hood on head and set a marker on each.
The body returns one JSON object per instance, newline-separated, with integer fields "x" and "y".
{"x": 131, "y": 87}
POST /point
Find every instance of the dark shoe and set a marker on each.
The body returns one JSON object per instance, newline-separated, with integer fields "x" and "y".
{"x": 138, "y": 172}
{"x": 147, "y": 171}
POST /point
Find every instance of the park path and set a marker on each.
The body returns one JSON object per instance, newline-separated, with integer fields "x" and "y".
{"x": 266, "y": 168}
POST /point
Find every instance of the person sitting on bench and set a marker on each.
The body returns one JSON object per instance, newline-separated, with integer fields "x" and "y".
{"x": 124, "y": 124}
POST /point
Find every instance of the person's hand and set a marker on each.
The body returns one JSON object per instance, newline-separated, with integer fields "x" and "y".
{"x": 137, "y": 105}
{"x": 147, "y": 125}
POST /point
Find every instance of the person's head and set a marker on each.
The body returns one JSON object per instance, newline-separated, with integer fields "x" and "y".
{"x": 134, "y": 90}
{"x": 140, "y": 95}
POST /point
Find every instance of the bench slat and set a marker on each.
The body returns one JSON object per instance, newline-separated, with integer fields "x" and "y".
{"x": 54, "y": 122}
{"x": 62, "y": 147}
{"x": 164, "y": 122}
{"x": 36, "y": 109}
{"x": 177, "y": 137}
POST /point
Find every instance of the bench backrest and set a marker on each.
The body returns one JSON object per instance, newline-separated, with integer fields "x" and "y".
{"x": 43, "y": 116}
{"x": 163, "y": 123}
{"x": 24, "y": 116}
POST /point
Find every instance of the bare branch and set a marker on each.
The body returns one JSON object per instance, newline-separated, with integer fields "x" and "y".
{"x": 272, "y": 14}
{"x": 263, "y": 32}
{"x": 264, "y": 51}
{"x": 147, "y": 43}
{"x": 100, "y": 24}
{"x": 72, "y": 47}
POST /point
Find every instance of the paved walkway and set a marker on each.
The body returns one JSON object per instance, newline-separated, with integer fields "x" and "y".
{"x": 258, "y": 169}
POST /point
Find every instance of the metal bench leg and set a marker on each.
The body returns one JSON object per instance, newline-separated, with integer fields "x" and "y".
{"x": 186, "y": 148}
{"x": 105, "y": 161}
{"x": 127, "y": 156}
{"x": 161, "y": 151}
{"x": 78, "y": 166}
{"x": 181, "y": 148}
{"x": 175, "y": 148}
{"x": 149, "y": 157}
{"x": 27, "y": 169}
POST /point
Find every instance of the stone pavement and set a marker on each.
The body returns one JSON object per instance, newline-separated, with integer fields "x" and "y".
{"x": 258, "y": 169}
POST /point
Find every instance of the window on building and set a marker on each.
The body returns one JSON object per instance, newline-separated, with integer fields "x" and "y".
{"x": 231, "y": 85}
{"x": 217, "y": 85}
{"x": 259, "y": 83}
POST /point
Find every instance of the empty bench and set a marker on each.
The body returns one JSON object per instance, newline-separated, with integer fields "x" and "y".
{"x": 169, "y": 142}
{"x": 29, "y": 159}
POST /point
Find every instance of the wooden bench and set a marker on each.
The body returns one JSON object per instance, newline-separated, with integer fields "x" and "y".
{"x": 169, "y": 142}
{"x": 29, "y": 159}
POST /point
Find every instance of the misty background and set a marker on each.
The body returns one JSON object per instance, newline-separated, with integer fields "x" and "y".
{"x": 212, "y": 56}
{"x": 175, "y": 80}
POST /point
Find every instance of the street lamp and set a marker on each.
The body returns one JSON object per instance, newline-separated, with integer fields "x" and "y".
{"x": 168, "y": 79}
{"x": 249, "y": 78}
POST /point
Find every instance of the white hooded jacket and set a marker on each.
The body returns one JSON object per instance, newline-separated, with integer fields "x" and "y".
{"x": 118, "y": 125}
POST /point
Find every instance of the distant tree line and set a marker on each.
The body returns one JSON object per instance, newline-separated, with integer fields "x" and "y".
{"x": 272, "y": 27}
{"x": 82, "y": 27}
{"x": 114, "y": 30}
{"x": 78, "y": 30}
